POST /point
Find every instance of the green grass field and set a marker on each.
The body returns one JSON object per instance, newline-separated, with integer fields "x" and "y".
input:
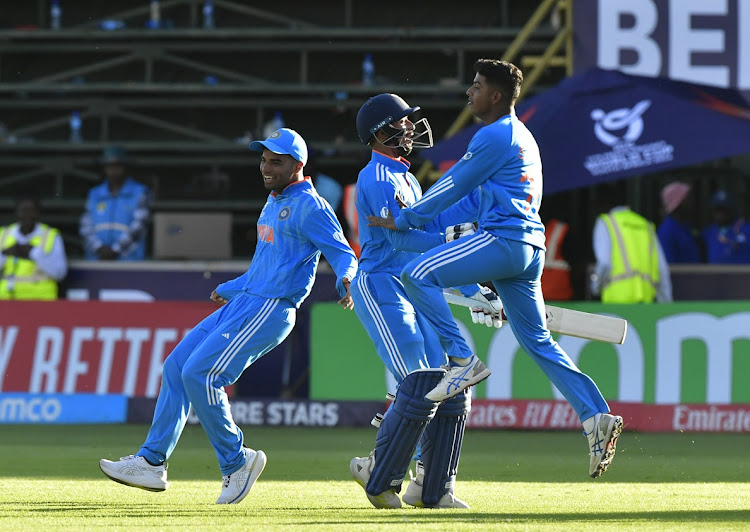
{"x": 50, "y": 479}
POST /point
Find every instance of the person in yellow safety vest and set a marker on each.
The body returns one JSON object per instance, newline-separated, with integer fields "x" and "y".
{"x": 630, "y": 263}
{"x": 556, "y": 285}
{"x": 32, "y": 255}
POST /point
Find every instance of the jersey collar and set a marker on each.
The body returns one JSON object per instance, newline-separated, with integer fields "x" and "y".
{"x": 292, "y": 187}
{"x": 400, "y": 164}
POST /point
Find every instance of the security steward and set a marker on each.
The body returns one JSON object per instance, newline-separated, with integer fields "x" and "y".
{"x": 32, "y": 255}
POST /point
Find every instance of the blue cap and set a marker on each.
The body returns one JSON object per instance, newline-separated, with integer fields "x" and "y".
{"x": 114, "y": 155}
{"x": 284, "y": 141}
{"x": 722, "y": 200}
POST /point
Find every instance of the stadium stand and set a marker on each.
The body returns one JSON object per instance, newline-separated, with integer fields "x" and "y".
{"x": 184, "y": 100}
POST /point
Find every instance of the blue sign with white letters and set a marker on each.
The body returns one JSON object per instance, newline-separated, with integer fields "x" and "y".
{"x": 26, "y": 408}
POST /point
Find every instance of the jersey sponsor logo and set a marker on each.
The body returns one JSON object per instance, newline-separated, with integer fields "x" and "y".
{"x": 382, "y": 123}
{"x": 284, "y": 213}
{"x": 384, "y": 212}
{"x": 225, "y": 335}
{"x": 265, "y": 233}
{"x": 468, "y": 155}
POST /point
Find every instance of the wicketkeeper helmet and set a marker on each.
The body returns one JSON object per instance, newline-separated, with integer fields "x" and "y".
{"x": 382, "y": 110}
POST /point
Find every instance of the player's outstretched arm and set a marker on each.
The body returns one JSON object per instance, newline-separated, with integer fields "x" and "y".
{"x": 387, "y": 222}
{"x": 324, "y": 231}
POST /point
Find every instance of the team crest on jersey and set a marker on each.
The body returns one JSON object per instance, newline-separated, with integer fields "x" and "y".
{"x": 468, "y": 155}
{"x": 384, "y": 212}
{"x": 284, "y": 213}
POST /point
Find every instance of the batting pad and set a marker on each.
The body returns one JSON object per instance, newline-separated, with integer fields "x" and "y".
{"x": 401, "y": 429}
{"x": 441, "y": 447}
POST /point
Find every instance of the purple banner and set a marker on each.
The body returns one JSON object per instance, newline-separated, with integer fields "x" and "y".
{"x": 700, "y": 42}
{"x": 279, "y": 412}
{"x": 165, "y": 280}
{"x": 146, "y": 281}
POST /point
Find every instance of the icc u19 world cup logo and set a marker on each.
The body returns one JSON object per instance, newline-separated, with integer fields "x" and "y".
{"x": 621, "y": 126}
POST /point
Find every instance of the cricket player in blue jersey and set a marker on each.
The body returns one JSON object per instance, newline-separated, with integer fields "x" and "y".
{"x": 258, "y": 312}
{"x": 404, "y": 339}
{"x": 508, "y": 248}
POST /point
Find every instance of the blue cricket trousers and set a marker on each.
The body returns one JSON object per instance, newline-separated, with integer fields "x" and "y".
{"x": 515, "y": 269}
{"x": 403, "y": 338}
{"x": 213, "y": 355}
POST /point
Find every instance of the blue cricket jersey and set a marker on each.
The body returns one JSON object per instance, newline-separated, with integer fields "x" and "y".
{"x": 503, "y": 161}
{"x": 728, "y": 244}
{"x": 678, "y": 241}
{"x": 379, "y": 183}
{"x": 117, "y": 221}
{"x": 294, "y": 227}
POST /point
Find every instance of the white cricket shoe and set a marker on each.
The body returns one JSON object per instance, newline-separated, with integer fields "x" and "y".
{"x": 458, "y": 378}
{"x": 360, "y": 469}
{"x": 236, "y": 486}
{"x": 602, "y": 431}
{"x": 413, "y": 495}
{"x": 137, "y": 472}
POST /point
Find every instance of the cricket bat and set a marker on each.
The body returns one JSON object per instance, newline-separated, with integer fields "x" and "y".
{"x": 564, "y": 321}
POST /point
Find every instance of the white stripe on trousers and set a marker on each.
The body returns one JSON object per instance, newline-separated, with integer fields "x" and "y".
{"x": 394, "y": 354}
{"x": 451, "y": 255}
{"x": 235, "y": 346}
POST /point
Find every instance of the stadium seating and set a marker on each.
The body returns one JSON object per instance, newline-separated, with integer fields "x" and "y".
{"x": 184, "y": 100}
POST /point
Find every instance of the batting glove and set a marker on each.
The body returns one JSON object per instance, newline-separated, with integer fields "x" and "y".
{"x": 480, "y": 315}
{"x": 454, "y": 232}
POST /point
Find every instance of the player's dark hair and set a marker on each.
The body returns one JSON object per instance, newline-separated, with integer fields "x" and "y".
{"x": 28, "y": 195}
{"x": 503, "y": 75}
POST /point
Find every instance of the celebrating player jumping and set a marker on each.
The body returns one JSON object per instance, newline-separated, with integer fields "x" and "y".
{"x": 503, "y": 160}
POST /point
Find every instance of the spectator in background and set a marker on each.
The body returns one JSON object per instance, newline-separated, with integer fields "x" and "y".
{"x": 630, "y": 264}
{"x": 32, "y": 255}
{"x": 556, "y": 284}
{"x": 114, "y": 223}
{"x": 679, "y": 239}
{"x": 326, "y": 185}
{"x": 564, "y": 260}
{"x": 726, "y": 240}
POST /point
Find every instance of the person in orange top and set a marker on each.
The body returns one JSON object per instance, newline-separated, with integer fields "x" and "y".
{"x": 556, "y": 285}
